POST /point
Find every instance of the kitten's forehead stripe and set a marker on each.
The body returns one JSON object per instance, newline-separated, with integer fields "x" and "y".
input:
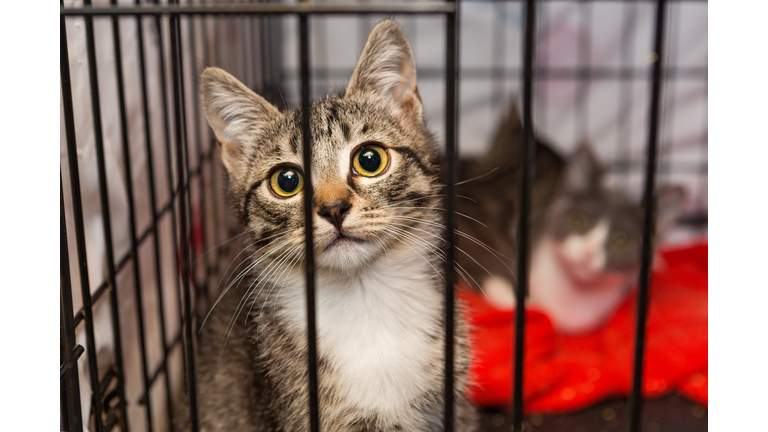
{"x": 345, "y": 130}
{"x": 295, "y": 143}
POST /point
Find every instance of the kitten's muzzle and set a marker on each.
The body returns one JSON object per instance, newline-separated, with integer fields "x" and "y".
{"x": 335, "y": 212}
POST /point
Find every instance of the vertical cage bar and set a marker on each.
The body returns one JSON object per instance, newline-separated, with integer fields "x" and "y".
{"x": 186, "y": 186}
{"x": 79, "y": 227}
{"x": 153, "y": 206}
{"x": 668, "y": 96}
{"x": 648, "y": 221}
{"x": 306, "y": 138}
{"x": 72, "y": 415}
{"x": 528, "y": 157}
{"x": 452, "y": 175}
{"x": 208, "y": 60}
{"x": 181, "y": 163}
{"x": 200, "y": 155}
{"x": 169, "y": 162}
{"x": 132, "y": 219}
{"x": 134, "y": 238}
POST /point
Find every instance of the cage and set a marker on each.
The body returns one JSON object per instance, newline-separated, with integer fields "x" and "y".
{"x": 146, "y": 240}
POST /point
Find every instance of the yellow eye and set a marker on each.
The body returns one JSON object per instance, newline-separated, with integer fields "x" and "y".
{"x": 286, "y": 182}
{"x": 621, "y": 240}
{"x": 578, "y": 222}
{"x": 370, "y": 161}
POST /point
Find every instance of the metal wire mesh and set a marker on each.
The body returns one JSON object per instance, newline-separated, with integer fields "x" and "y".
{"x": 172, "y": 43}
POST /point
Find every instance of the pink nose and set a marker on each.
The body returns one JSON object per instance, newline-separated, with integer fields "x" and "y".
{"x": 587, "y": 257}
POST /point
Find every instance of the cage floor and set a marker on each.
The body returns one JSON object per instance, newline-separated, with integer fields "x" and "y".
{"x": 671, "y": 413}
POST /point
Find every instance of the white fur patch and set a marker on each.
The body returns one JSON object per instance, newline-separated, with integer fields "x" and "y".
{"x": 588, "y": 250}
{"x": 571, "y": 308}
{"x": 374, "y": 329}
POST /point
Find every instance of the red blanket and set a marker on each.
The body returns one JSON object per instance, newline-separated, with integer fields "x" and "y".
{"x": 564, "y": 372}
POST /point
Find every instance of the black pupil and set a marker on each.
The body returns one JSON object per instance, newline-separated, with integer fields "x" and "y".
{"x": 369, "y": 159}
{"x": 288, "y": 180}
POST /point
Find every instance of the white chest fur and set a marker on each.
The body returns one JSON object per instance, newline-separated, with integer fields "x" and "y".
{"x": 571, "y": 309}
{"x": 374, "y": 328}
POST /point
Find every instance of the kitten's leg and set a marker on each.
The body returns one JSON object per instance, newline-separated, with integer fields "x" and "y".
{"x": 500, "y": 292}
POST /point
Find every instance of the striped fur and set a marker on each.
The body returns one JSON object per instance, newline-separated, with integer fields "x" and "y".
{"x": 379, "y": 297}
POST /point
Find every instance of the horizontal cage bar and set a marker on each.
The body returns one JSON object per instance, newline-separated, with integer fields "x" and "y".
{"x": 268, "y": 9}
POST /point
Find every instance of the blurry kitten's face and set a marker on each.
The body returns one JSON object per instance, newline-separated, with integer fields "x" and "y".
{"x": 374, "y": 164}
{"x": 597, "y": 236}
{"x": 597, "y": 232}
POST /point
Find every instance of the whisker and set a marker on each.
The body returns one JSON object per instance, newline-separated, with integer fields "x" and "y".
{"x": 459, "y": 269}
{"x": 476, "y": 178}
{"x": 218, "y": 246}
{"x": 439, "y": 253}
{"x": 300, "y": 261}
{"x": 293, "y": 259}
{"x": 247, "y": 247}
{"x": 427, "y": 197}
{"x": 491, "y": 250}
{"x": 441, "y": 209}
{"x": 271, "y": 277}
{"x": 422, "y": 256}
{"x": 244, "y": 301}
{"x": 240, "y": 276}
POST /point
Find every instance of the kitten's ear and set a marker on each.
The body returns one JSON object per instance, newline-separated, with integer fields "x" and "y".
{"x": 669, "y": 204}
{"x": 386, "y": 70}
{"x": 582, "y": 172}
{"x": 236, "y": 114}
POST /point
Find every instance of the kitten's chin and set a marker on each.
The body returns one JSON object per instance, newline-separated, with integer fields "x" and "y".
{"x": 347, "y": 254}
{"x": 588, "y": 280}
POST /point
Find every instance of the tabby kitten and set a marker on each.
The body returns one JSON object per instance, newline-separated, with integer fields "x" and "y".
{"x": 585, "y": 237}
{"x": 376, "y": 174}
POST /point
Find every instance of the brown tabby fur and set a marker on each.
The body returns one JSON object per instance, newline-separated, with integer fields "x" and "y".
{"x": 259, "y": 380}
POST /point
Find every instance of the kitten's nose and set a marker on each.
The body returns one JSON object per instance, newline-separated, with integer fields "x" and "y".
{"x": 335, "y": 212}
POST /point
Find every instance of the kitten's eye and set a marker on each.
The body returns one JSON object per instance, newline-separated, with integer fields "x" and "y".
{"x": 286, "y": 182}
{"x": 370, "y": 161}
{"x": 578, "y": 222}
{"x": 621, "y": 240}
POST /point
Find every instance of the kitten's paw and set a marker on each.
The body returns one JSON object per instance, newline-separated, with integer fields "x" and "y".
{"x": 500, "y": 292}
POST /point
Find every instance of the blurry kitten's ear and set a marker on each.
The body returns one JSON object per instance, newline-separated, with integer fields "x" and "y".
{"x": 236, "y": 114}
{"x": 386, "y": 70}
{"x": 669, "y": 204}
{"x": 507, "y": 139}
{"x": 582, "y": 171}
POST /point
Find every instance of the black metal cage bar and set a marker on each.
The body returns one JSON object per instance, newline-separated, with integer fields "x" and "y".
{"x": 70, "y": 395}
{"x": 109, "y": 406}
{"x": 648, "y": 219}
{"x": 309, "y": 248}
{"x": 527, "y": 155}
{"x": 74, "y": 177}
{"x": 452, "y": 177}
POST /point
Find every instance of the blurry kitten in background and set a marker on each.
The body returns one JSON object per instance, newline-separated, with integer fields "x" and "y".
{"x": 585, "y": 240}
